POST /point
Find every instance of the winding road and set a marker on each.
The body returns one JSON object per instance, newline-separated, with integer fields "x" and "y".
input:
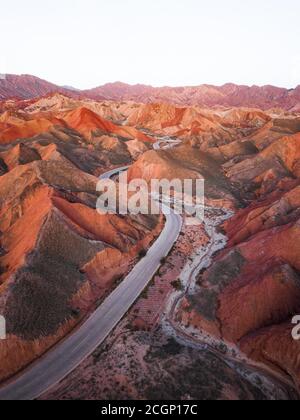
{"x": 167, "y": 142}
{"x": 57, "y": 363}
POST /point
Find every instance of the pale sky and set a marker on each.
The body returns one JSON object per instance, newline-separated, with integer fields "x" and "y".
{"x": 86, "y": 43}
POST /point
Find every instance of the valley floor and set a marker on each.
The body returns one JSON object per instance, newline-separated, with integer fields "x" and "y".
{"x": 151, "y": 355}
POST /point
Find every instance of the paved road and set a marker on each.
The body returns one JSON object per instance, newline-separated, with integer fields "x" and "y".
{"x": 67, "y": 355}
{"x": 167, "y": 143}
{"x": 110, "y": 174}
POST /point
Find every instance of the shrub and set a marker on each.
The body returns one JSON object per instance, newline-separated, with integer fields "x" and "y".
{"x": 142, "y": 253}
{"x": 177, "y": 285}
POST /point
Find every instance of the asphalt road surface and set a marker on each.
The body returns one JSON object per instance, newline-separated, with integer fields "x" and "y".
{"x": 110, "y": 174}
{"x": 57, "y": 363}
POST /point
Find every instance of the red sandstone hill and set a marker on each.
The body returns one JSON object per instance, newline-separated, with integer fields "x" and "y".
{"x": 251, "y": 291}
{"x": 80, "y": 124}
{"x": 88, "y": 123}
{"x": 28, "y": 129}
{"x": 229, "y": 95}
{"x": 55, "y": 249}
{"x": 189, "y": 122}
{"x": 58, "y": 255}
{"x": 28, "y": 87}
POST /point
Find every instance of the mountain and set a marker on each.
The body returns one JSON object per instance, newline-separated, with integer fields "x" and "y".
{"x": 28, "y": 87}
{"x": 87, "y": 123}
{"x": 71, "y": 88}
{"x": 228, "y": 95}
{"x": 59, "y": 257}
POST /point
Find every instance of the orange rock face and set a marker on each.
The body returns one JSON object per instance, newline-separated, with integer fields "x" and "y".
{"x": 185, "y": 163}
{"x": 58, "y": 256}
{"x": 275, "y": 347}
{"x": 174, "y": 121}
{"x": 88, "y": 123}
{"x": 252, "y": 290}
{"x": 28, "y": 129}
{"x": 53, "y": 245}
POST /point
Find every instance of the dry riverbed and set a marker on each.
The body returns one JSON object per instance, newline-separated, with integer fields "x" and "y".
{"x": 146, "y": 358}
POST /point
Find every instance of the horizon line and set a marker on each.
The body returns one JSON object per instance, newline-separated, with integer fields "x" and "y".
{"x": 149, "y": 85}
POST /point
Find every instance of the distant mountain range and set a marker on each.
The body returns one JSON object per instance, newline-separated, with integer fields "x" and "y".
{"x": 229, "y": 95}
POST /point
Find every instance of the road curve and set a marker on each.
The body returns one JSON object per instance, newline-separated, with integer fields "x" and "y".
{"x": 57, "y": 363}
{"x": 110, "y": 174}
{"x": 167, "y": 142}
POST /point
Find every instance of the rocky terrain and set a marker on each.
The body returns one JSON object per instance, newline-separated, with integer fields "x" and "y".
{"x": 249, "y": 293}
{"x": 59, "y": 257}
{"x": 27, "y": 87}
{"x": 228, "y": 95}
{"x": 222, "y": 302}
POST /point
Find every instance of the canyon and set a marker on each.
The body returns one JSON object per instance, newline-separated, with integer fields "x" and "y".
{"x": 222, "y": 302}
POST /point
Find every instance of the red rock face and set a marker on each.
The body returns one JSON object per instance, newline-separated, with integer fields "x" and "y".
{"x": 252, "y": 290}
{"x": 175, "y": 121}
{"x": 57, "y": 252}
{"x": 88, "y": 123}
{"x": 265, "y": 297}
{"x": 58, "y": 256}
{"x": 28, "y": 129}
{"x": 249, "y": 159}
{"x": 275, "y": 347}
{"x": 280, "y": 208}
{"x": 27, "y": 87}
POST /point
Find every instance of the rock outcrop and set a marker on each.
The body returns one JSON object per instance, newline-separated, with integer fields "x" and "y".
{"x": 59, "y": 257}
{"x": 251, "y": 291}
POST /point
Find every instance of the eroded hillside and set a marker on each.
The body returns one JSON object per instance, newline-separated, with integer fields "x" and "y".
{"x": 59, "y": 257}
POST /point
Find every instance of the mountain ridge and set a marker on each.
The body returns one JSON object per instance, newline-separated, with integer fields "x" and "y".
{"x": 205, "y": 95}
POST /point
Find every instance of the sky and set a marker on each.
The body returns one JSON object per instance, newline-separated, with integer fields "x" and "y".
{"x": 87, "y": 43}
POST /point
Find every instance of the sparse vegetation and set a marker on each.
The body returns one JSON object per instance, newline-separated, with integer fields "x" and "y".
{"x": 142, "y": 253}
{"x": 144, "y": 294}
{"x": 177, "y": 285}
